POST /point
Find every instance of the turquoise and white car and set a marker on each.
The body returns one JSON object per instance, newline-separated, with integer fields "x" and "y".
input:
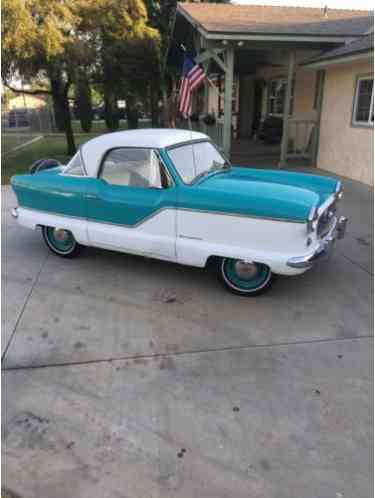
{"x": 172, "y": 195}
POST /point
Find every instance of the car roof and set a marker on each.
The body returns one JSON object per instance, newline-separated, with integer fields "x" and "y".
{"x": 94, "y": 150}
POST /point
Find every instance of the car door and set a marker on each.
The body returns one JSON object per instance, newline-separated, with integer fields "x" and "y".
{"x": 131, "y": 204}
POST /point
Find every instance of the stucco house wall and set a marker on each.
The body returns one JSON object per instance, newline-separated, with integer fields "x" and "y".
{"x": 345, "y": 149}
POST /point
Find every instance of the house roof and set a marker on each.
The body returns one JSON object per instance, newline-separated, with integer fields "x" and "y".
{"x": 268, "y": 20}
{"x": 361, "y": 45}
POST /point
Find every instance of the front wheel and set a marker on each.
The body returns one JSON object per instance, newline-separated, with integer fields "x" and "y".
{"x": 245, "y": 279}
{"x": 60, "y": 241}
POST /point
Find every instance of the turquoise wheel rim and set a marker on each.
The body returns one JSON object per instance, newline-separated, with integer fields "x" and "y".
{"x": 60, "y": 240}
{"x": 251, "y": 277}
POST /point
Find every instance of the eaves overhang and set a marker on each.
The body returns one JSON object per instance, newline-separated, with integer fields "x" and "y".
{"x": 269, "y": 36}
{"x": 344, "y": 59}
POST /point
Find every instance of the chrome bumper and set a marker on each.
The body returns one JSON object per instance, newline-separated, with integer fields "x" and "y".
{"x": 337, "y": 231}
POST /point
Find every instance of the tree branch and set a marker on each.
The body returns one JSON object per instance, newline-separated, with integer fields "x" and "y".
{"x": 40, "y": 91}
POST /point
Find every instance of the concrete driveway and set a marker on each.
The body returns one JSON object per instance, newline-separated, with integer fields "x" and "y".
{"x": 127, "y": 377}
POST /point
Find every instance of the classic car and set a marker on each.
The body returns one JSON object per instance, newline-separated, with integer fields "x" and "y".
{"x": 172, "y": 195}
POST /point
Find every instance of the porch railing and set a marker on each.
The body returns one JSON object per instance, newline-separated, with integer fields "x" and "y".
{"x": 215, "y": 132}
{"x": 302, "y": 139}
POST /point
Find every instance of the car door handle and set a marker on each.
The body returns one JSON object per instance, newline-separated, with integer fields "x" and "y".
{"x": 92, "y": 196}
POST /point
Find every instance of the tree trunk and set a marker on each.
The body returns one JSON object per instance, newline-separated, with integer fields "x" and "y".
{"x": 60, "y": 90}
{"x": 57, "y": 110}
{"x": 132, "y": 112}
{"x": 68, "y": 124}
{"x": 83, "y": 99}
{"x": 154, "y": 104}
{"x": 111, "y": 114}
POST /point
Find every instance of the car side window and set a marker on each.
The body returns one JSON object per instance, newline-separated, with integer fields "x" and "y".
{"x": 134, "y": 168}
{"x": 75, "y": 166}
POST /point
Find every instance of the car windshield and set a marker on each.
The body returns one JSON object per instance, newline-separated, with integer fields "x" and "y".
{"x": 195, "y": 160}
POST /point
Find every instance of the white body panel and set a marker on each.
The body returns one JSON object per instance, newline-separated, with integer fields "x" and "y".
{"x": 203, "y": 234}
{"x": 190, "y": 237}
{"x": 155, "y": 237}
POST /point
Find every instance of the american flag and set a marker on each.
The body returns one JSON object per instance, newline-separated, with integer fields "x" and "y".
{"x": 192, "y": 76}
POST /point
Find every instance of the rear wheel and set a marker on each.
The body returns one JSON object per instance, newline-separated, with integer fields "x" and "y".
{"x": 61, "y": 241}
{"x": 245, "y": 279}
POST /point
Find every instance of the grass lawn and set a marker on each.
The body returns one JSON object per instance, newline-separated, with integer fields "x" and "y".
{"x": 11, "y": 140}
{"x": 99, "y": 126}
{"x": 53, "y": 146}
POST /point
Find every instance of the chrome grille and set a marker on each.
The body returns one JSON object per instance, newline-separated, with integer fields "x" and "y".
{"x": 325, "y": 220}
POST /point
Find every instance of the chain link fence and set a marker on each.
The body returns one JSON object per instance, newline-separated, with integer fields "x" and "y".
{"x": 21, "y": 126}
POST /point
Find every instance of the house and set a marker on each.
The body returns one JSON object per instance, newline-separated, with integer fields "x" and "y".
{"x": 25, "y": 101}
{"x": 309, "y": 69}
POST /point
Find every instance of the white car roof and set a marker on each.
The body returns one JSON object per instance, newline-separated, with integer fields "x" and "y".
{"x": 94, "y": 150}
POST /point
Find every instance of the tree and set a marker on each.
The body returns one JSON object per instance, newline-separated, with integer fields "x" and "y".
{"x": 120, "y": 32}
{"x": 38, "y": 36}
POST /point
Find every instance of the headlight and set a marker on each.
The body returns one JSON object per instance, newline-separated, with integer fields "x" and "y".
{"x": 339, "y": 191}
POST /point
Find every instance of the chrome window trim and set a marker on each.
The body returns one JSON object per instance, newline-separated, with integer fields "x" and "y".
{"x": 165, "y": 208}
{"x": 85, "y": 175}
{"x": 194, "y": 142}
{"x": 153, "y": 149}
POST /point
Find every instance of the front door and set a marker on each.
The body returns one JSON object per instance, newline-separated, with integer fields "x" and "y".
{"x": 131, "y": 205}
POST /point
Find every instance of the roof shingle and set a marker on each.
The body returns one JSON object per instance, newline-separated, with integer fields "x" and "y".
{"x": 360, "y": 45}
{"x": 266, "y": 19}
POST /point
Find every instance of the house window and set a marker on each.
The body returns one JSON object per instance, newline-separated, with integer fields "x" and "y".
{"x": 276, "y": 97}
{"x": 363, "y": 111}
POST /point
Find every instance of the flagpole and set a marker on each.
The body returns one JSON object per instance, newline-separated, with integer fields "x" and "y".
{"x": 183, "y": 48}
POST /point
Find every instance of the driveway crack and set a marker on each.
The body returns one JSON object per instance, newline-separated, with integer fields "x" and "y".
{"x": 36, "y": 280}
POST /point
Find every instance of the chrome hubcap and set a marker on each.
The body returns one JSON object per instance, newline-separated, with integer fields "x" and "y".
{"x": 60, "y": 234}
{"x": 245, "y": 271}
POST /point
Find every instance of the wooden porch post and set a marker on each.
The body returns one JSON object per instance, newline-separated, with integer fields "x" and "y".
{"x": 206, "y": 85}
{"x": 288, "y": 94}
{"x": 228, "y": 90}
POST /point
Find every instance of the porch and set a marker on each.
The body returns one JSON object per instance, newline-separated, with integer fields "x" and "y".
{"x": 254, "y": 61}
{"x": 253, "y": 150}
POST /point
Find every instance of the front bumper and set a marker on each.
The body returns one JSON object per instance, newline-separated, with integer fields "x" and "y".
{"x": 337, "y": 231}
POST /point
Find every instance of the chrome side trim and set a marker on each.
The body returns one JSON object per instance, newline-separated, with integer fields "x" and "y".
{"x": 188, "y": 237}
{"x": 240, "y": 215}
{"x": 166, "y": 208}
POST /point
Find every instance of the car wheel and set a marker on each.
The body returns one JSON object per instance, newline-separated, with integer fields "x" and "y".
{"x": 245, "y": 279}
{"x": 61, "y": 242}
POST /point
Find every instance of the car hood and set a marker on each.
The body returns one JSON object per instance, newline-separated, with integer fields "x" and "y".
{"x": 267, "y": 193}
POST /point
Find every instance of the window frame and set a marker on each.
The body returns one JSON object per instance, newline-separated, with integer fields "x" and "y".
{"x": 362, "y": 124}
{"x": 171, "y": 181}
{"x": 85, "y": 175}
{"x": 192, "y": 142}
{"x": 284, "y": 80}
